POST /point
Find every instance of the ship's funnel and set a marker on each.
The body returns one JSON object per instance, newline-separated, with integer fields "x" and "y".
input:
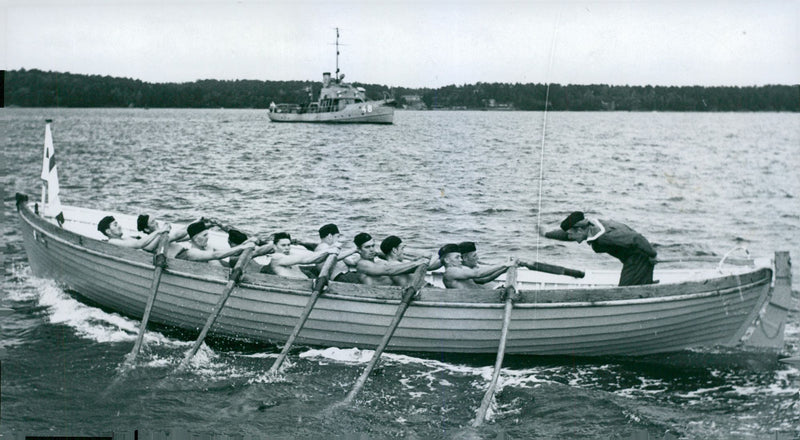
{"x": 326, "y": 79}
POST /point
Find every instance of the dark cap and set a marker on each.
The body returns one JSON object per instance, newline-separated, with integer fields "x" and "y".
{"x": 449, "y": 248}
{"x": 236, "y": 237}
{"x": 327, "y": 230}
{"x": 196, "y": 228}
{"x": 280, "y": 236}
{"x": 104, "y": 223}
{"x": 361, "y": 238}
{"x": 466, "y": 246}
{"x": 389, "y": 243}
{"x": 141, "y": 222}
{"x": 571, "y": 220}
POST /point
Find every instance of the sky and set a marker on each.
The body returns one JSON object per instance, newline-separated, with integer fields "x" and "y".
{"x": 411, "y": 43}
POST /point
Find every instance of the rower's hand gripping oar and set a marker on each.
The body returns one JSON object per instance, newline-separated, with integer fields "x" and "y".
{"x": 233, "y": 281}
{"x": 408, "y": 294}
{"x": 317, "y": 288}
{"x": 552, "y": 268}
{"x": 510, "y": 294}
{"x": 160, "y": 262}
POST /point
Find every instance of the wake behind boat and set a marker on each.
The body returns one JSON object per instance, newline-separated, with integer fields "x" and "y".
{"x": 338, "y": 102}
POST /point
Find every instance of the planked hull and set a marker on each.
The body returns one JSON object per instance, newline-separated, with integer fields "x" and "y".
{"x": 582, "y": 321}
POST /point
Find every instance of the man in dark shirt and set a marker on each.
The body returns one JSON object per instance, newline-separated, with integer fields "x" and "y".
{"x": 613, "y": 238}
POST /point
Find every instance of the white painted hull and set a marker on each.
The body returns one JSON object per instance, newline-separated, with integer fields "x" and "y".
{"x": 580, "y": 321}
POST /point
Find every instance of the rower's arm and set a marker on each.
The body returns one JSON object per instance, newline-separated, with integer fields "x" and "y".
{"x": 499, "y": 270}
{"x": 218, "y": 255}
{"x": 264, "y": 250}
{"x": 291, "y": 260}
{"x": 345, "y": 254}
{"x": 147, "y": 243}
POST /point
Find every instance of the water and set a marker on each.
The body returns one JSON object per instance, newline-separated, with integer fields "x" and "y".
{"x": 694, "y": 184}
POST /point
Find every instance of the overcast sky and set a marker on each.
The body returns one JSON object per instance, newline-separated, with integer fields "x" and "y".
{"x": 412, "y": 44}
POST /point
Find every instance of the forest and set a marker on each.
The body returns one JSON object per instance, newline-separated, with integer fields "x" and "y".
{"x": 37, "y": 88}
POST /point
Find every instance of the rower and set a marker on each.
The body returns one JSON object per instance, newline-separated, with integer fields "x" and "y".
{"x": 373, "y": 271}
{"x": 329, "y": 236}
{"x": 456, "y": 275}
{"x": 201, "y": 251}
{"x": 236, "y": 238}
{"x": 285, "y": 261}
{"x": 109, "y": 227}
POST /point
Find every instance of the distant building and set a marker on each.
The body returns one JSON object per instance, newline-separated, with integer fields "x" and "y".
{"x": 413, "y": 102}
{"x": 491, "y": 104}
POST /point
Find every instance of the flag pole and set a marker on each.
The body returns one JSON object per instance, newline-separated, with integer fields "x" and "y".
{"x": 45, "y": 164}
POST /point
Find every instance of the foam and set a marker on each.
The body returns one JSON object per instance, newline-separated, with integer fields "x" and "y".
{"x": 90, "y": 322}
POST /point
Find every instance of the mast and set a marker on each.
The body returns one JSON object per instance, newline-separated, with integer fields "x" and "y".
{"x": 337, "y": 54}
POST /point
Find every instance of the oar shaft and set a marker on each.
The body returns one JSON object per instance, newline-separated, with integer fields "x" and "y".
{"x": 552, "y": 268}
{"x": 408, "y": 294}
{"x": 319, "y": 285}
{"x": 160, "y": 262}
{"x": 731, "y": 261}
{"x": 235, "y": 276}
{"x": 511, "y": 282}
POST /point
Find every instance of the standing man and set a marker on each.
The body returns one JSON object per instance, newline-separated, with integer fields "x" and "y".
{"x": 456, "y": 275}
{"x": 376, "y": 272}
{"x": 613, "y": 238}
{"x": 284, "y": 262}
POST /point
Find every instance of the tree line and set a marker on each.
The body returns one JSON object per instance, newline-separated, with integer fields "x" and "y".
{"x": 37, "y": 88}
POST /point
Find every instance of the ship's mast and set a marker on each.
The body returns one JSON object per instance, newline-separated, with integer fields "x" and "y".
{"x": 337, "y": 54}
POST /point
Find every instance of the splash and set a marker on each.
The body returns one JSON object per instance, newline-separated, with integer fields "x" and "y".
{"x": 88, "y": 322}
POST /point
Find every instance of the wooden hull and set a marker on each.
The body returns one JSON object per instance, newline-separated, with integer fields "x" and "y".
{"x": 582, "y": 321}
{"x": 372, "y": 112}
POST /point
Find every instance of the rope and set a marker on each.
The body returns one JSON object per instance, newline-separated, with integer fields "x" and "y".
{"x": 544, "y": 132}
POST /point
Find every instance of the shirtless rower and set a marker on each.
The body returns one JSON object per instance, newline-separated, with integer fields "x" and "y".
{"x": 109, "y": 227}
{"x": 236, "y": 238}
{"x": 201, "y": 251}
{"x": 146, "y": 223}
{"x": 456, "y": 275}
{"x": 329, "y": 236}
{"x": 284, "y": 262}
{"x": 377, "y": 272}
{"x": 469, "y": 259}
{"x": 393, "y": 249}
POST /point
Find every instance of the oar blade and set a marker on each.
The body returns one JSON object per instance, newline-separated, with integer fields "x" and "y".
{"x": 510, "y": 293}
{"x": 233, "y": 281}
{"x": 408, "y": 295}
{"x": 318, "y": 286}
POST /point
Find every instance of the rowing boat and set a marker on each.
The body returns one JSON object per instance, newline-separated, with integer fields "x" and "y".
{"x": 554, "y": 315}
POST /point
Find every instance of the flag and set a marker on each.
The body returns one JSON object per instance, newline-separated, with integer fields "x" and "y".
{"x": 50, "y": 175}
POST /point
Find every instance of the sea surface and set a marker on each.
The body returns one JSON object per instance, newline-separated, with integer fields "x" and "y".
{"x": 695, "y": 184}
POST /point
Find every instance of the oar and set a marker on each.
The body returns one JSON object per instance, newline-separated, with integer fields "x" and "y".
{"x": 408, "y": 294}
{"x": 233, "y": 281}
{"x": 511, "y": 288}
{"x": 319, "y": 285}
{"x": 552, "y": 268}
{"x": 160, "y": 262}
{"x": 731, "y": 261}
